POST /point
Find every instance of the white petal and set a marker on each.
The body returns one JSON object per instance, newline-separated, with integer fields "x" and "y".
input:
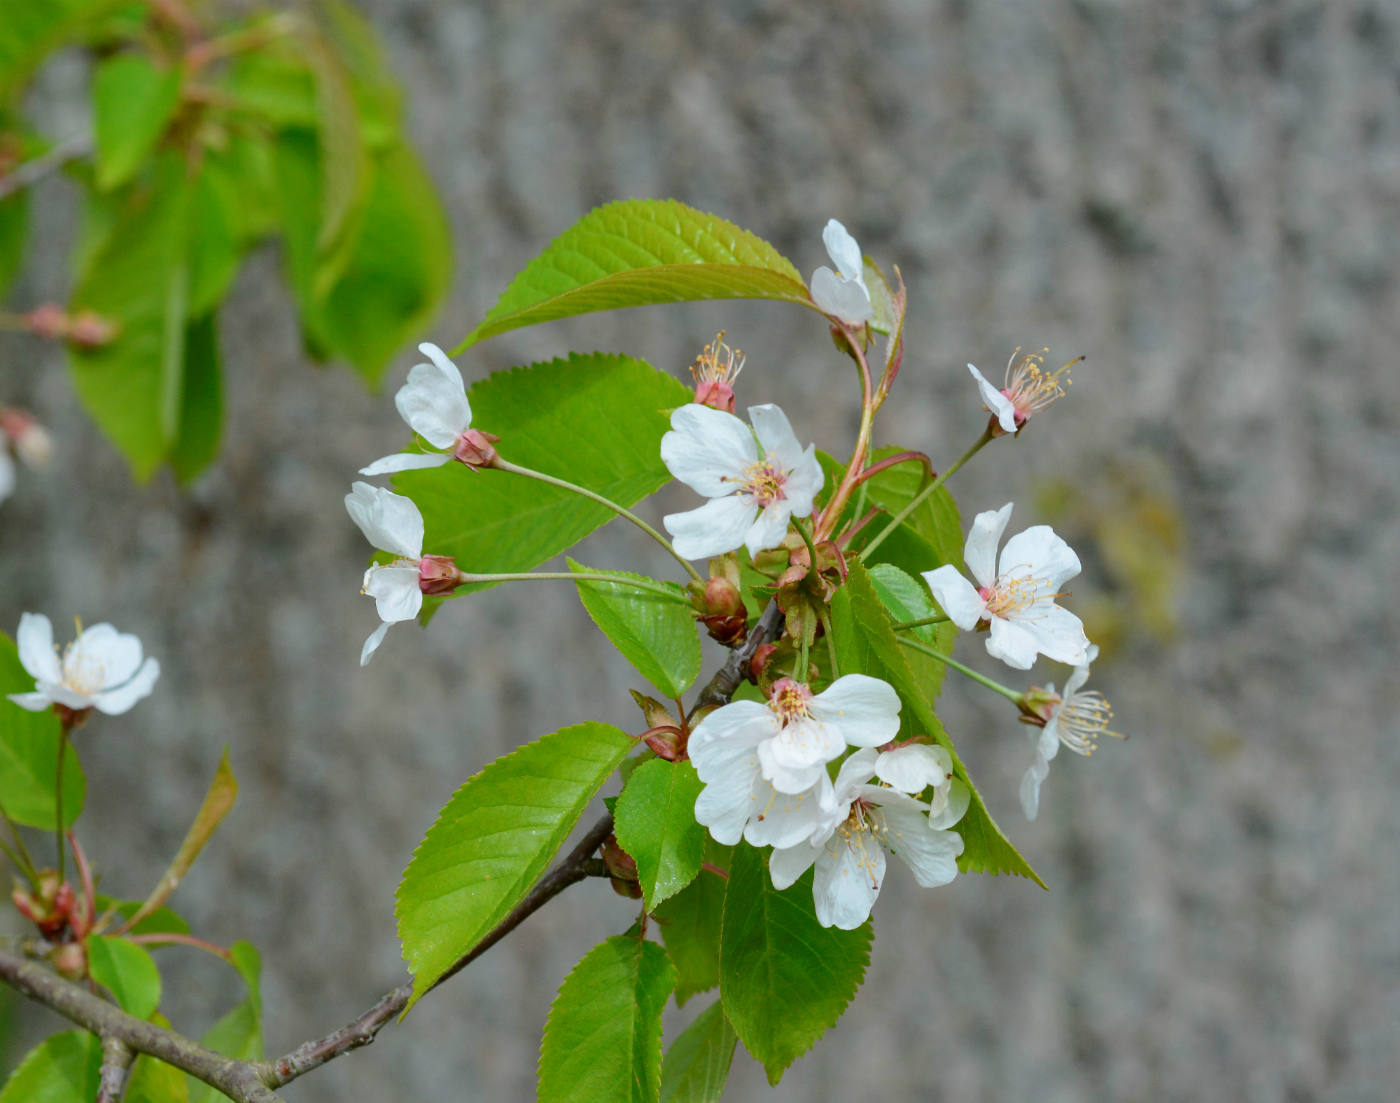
{"x": 372, "y": 644}
{"x": 775, "y": 434}
{"x": 980, "y": 554}
{"x": 36, "y": 651}
{"x": 34, "y": 702}
{"x": 389, "y": 521}
{"x": 956, "y": 596}
{"x": 708, "y": 450}
{"x": 1012, "y": 644}
{"x": 444, "y": 364}
{"x": 959, "y": 797}
{"x": 854, "y": 772}
{"x": 804, "y": 482}
{"x": 795, "y": 759}
{"x": 995, "y": 401}
{"x": 406, "y": 461}
{"x": 1058, "y": 633}
{"x": 396, "y": 592}
{"x": 725, "y": 804}
{"x": 864, "y": 710}
{"x": 932, "y": 855}
{"x": 913, "y": 768}
{"x": 433, "y": 406}
{"x": 63, "y": 695}
{"x": 786, "y": 819}
{"x": 717, "y": 527}
{"x": 844, "y": 251}
{"x": 844, "y": 299}
{"x": 787, "y": 864}
{"x": 108, "y": 657}
{"x": 727, "y": 734}
{"x": 1030, "y": 787}
{"x": 769, "y": 528}
{"x": 1039, "y": 552}
{"x": 7, "y": 472}
{"x": 847, "y": 882}
{"x": 1046, "y": 743}
{"x": 116, "y": 701}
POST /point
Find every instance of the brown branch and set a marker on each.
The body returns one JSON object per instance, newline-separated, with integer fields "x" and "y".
{"x": 721, "y": 687}
{"x": 236, "y": 1079}
{"x": 116, "y": 1059}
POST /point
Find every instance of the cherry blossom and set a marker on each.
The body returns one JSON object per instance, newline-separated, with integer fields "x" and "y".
{"x": 714, "y": 372}
{"x": 101, "y": 669}
{"x": 1075, "y": 719}
{"x": 1028, "y": 389}
{"x": 842, "y": 293}
{"x": 848, "y": 847}
{"x": 755, "y": 487}
{"x": 764, "y": 764}
{"x": 1018, "y": 601}
{"x": 22, "y": 437}
{"x": 435, "y": 405}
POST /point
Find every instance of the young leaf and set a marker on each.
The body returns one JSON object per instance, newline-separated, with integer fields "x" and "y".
{"x": 132, "y": 101}
{"x": 689, "y": 924}
{"x": 906, "y": 599}
{"x": 127, "y": 971}
{"x": 865, "y": 644}
{"x": 784, "y": 979}
{"x": 638, "y": 252}
{"x": 594, "y": 420}
{"x": 656, "y": 826}
{"x": 64, "y": 1068}
{"x": 697, "y": 1063}
{"x": 656, "y": 636}
{"x": 29, "y": 753}
{"x": 602, "y": 1043}
{"x": 239, "y": 1033}
{"x": 493, "y": 840}
{"x": 201, "y": 401}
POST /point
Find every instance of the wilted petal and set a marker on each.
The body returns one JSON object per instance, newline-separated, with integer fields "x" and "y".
{"x": 434, "y": 407}
{"x": 372, "y": 644}
{"x": 956, "y": 596}
{"x": 980, "y": 554}
{"x": 1030, "y": 786}
{"x": 847, "y": 882}
{"x": 36, "y": 651}
{"x": 995, "y": 401}
{"x": 864, "y": 710}
{"x": 708, "y": 450}
{"x": 719, "y": 526}
{"x": 406, "y": 461}
{"x": 116, "y": 701}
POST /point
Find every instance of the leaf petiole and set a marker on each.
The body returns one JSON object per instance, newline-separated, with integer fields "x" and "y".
{"x": 654, "y": 587}
{"x": 919, "y": 498}
{"x": 924, "y": 649}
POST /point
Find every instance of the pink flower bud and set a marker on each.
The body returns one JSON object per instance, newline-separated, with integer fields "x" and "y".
{"x": 47, "y": 320}
{"x": 90, "y": 330}
{"x": 474, "y": 448}
{"x": 438, "y": 574}
{"x": 70, "y": 960}
{"x": 27, "y": 437}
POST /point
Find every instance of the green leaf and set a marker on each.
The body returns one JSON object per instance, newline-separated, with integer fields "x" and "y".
{"x": 638, "y": 252}
{"x": 161, "y": 921}
{"x": 656, "y": 636}
{"x": 784, "y": 979}
{"x": 239, "y": 1033}
{"x": 930, "y": 537}
{"x": 594, "y": 420}
{"x": 132, "y": 102}
{"x": 215, "y": 244}
{"x": 865, "y": 644}
{"x": 153, "y": 1081}
{"x": 602, "y": 1043}
{"x": 690, "y": 924}
{"x": 697, "y": 1063}
{"x": 14, "y": 229}
{"x": 30, "y": 31}
{"x": 201, "y": 400}
{"x": 29, "y": 753}
{"x": 907, "y": 599}
{"x": 656, "y": 826}
{"x": 493, "y": 840}
{"x": 62, "y": 1069}
{"x": 127, "y": 971}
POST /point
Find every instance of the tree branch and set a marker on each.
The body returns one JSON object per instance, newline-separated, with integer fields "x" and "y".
{"x": 721, "y": 687}
{"x": 116, "y": 1059}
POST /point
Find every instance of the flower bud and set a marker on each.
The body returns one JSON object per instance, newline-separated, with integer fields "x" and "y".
{"x": 762, "y": 656}
{"x": 438, "y": 574}
{"x": 474, "y": 448}
{"x": 27, "y": 437}
{"x": 49, "y": 906}
{"x": 657, "y": 715}
{"x": 70, "y": 960}
{"x": 668, "y": 742}
{"x": 90, "y": 330}
{"x": 47, "y": 320}
{"x": 618, "y": 862}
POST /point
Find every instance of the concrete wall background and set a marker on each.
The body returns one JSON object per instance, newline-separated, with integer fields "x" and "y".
{"x": 1201, "y": 196}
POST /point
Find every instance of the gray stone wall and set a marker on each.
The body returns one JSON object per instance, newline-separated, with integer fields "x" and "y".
{"x": 1200, "y": 196}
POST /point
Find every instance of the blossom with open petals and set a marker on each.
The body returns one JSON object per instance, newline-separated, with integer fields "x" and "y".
{"x": 1028, "y": 389}
{"x": 434, "y": 403}
{"x": 102, "y": 669}
{"x": 1075, "y": 719}
{"x": 848, "y": 848}
{"x": 755, "y": 487}
{"x": 1019, "y": 599}
{"x": 764, "y": 764}
{"x": 842, "y": 293}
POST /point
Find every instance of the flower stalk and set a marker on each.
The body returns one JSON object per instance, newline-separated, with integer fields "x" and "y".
{"x": 948, "y": 660}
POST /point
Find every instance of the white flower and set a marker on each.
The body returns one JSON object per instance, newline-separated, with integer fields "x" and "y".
{"x": 1019, "y": 601}
{"x": 1076, "y": 720}
{"x": 764, "y": 765}
{"x": 849, "y": 846}
{"x": 842, "y": 293}
{"x": 101, "y": 669}
{"x": 393, "y": 524}
{"x": 752, "y": 496}
{"x": 1029, "y": 389}
{"x": 434, "y": 403}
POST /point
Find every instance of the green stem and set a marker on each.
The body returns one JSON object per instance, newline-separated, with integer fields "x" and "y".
{"x": 505, "y": 465}
{"x": 569, "y": 576}
{"x": 802, "y": 664}
{"x": 923, "y": 648}
{"x": 905, "y": 625}
{"x": 26, "y": 863}
{"x": 919, "y": 498}
{"x": 58, "y": 800}
{"x": 830, "y": 645}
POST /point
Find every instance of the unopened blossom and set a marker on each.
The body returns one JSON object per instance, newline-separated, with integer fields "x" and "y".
{"x": 24, "y": 438}
{"x": 1018, "y": 598}
{"x": 714, "y": 372}
{"x": 392, "y": 523}
{"x": 1076, "y": 719}
{"x": 434, "y": 403}
{"x": 842, "y": 293}
{"x": 764, "y": 764}
{"x": 755, "y": 487}
{"x": 848, "y": 847}
{"x": 1028, "y": 389}
{"x": 102, "y": 669}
